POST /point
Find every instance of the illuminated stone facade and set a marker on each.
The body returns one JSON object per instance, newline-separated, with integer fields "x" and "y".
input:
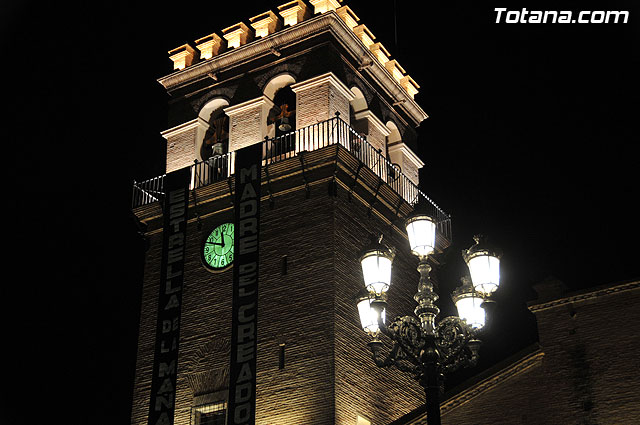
{"x": 227, "y": 92}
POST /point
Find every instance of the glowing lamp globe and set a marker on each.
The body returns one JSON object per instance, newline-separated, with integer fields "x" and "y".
{"x": 369, "y": 315}
{"x": 484, "y": 266}
{"x": 376, "y": 262}
{"x": 421, "y": 231}
{"x": 468, "y": 302}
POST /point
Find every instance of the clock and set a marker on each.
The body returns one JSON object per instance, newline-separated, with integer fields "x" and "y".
{"x": 217, "y": 250}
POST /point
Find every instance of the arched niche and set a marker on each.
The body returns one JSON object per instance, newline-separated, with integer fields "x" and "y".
{"x": 212, "y": 135}
{"x": 394, "y": 136}
{"x": 276, "y": 83}
{"x": 356, "y": 106}
{"x": 281, "y": 118}
{"x": 359, "y": 102}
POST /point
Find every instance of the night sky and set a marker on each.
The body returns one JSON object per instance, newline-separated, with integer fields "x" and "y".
{"x": 530, "y": 140}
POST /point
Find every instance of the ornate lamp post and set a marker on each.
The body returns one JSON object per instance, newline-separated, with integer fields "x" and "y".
{"x": 421, "y": 347}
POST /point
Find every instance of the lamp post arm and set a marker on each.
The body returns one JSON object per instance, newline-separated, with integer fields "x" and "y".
{"x": 407, "y": 338}
{"x": 456, "y": 343}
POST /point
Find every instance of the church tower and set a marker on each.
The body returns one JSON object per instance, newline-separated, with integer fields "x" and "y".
{"x": 330, "y": 120}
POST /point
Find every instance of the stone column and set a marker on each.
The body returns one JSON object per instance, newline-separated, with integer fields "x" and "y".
{"x": 181, "y": 145}
{"x": 377, "y": 132}
{"x": 318, "y": 99}
{"x": 407, "y": 160}
{"x": 248, "y": 122}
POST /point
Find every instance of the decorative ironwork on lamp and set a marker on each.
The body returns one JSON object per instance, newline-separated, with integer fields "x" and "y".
{"x": 420, "y": 346}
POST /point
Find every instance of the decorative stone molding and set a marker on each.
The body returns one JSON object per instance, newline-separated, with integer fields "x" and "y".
{"x": 532, "y": 360}
{"x": 409, "y": 85}
{"x": 374, "y": 121}
{"x": 321, "y": 6}
{"x": 400, "y": 154}
{"x": 348, "y": 16}
{"x": 363, "y": 33}
{"x": 237, "y": 35}
{"x": 293, "y": 12}
{"x": 210, "y": 46}
{"x": 628, "y": 286}
{"x": 182, "y": 56}
{"x": 318, "y": 24}
{"x": 395, "y": 69}
{"x": 377, "y": 131}
{"x": 179, "y": 129}
{"x": 380, "y": 52}
{"x": 328, "y": 78}
{"x": 265, "y": 24}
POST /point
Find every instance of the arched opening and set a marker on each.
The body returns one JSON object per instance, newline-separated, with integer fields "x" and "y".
{"x": 281, "y": 118}
{"x": 393, "y": 138}
{"x": 212, "y": 137}
{"x": 212, "y": 143}
{"x": 357, "y": 105}
{"x": 276, "y": 83}
{"x": 283, "y": 114}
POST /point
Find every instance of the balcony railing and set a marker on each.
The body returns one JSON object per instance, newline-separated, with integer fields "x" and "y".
{"x": 313, "y": 137}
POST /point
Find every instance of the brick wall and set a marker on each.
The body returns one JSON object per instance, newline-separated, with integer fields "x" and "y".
{"x": 381, "y": 395}
{"x": 319, "y": 98}
{"x": 181, "y": 145}
{"x": 328, "y": 376}
{"x": 248, "y": 122}
{"x": 588, "y": 374}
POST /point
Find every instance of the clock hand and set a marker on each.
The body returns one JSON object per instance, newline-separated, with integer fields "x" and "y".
{"x": 216, "y": 243}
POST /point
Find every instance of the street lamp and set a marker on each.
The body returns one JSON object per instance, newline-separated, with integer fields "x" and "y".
{"x": 469, "y": 304}
{"x": 421, "y": 347}
{"x": 484, "y": 265}
{"x": 376, "y": 261}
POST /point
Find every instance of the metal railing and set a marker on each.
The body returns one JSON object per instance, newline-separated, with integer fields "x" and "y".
{"x": 313, "y": 137}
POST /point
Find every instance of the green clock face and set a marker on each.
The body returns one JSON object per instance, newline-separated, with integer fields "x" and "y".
{"x": 217, "y": 251}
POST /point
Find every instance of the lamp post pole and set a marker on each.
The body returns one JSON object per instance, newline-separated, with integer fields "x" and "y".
{"x": 430, "y": 381}
{"x": 420, "y": 346}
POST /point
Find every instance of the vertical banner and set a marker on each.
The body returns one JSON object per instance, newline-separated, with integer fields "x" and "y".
{"x": 242, "y": 376}
{"x": 165, "y": 361}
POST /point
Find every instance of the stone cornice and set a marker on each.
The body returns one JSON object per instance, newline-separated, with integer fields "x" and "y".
{"x": 319, "y": 80}
{"x": 373, "y": 120}
{"x": 409, "y": 154}
{"x": 525, "y": 363}
{"x": 329, "y": 21}
{"x": 532, "y": 360}
{"x": 189, "y": 125}
{"x": 249, "y": 104}
{"x": 534, "y": 308}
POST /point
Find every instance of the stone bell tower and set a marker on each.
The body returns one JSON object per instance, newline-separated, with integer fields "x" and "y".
{"x": 334, "y": 118}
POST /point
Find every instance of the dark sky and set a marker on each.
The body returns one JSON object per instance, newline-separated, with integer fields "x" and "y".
{"x": 530, "y": 140}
